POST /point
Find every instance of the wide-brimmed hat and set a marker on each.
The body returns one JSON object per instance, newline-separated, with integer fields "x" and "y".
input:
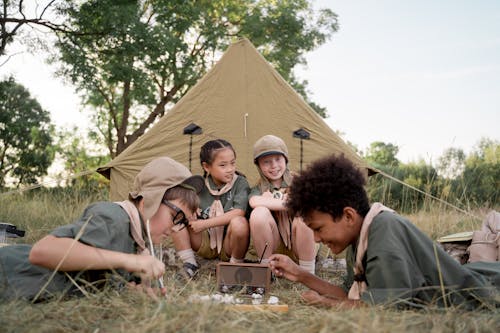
{"x": 268, "y": 145}
{"x": 157, "y": 177}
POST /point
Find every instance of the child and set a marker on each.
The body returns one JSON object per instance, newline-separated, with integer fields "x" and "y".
{"x": 389, "y": 260}
{"x": 272, "y": 229}
{"x": 221, "y": 230}
{"x": 108, "y": 239}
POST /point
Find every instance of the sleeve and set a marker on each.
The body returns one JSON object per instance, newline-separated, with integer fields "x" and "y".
{"x": 254, "y": 191}
{"x": 239, "y": 194}
{"x": 105, "y": 225}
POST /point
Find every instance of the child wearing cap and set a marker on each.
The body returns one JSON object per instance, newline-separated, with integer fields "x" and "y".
{"x": 221, "y": 230}
{"x": 272, "y": 228}
{"x": 111, "y": 243}
{"x": 389, "y": 261}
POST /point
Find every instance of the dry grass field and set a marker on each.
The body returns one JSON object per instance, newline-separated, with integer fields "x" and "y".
{"x": 125, "y": 311}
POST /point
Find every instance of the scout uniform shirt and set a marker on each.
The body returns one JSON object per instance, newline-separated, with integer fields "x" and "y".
{"x": 236, "y": 198}
{"x": 108, "y": 227}
{"x": 401, "y": 268}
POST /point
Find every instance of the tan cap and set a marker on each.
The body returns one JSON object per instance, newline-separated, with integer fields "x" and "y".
{"x": 268, "y": 145}
{"x": 157, "y": 177}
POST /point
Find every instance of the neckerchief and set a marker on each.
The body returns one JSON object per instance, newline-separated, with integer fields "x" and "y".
{"x": 283, "y": 220}
{"x": 359, "y": 284}
{"x": 135, "y": 225}
{"x": 216, "y": 209}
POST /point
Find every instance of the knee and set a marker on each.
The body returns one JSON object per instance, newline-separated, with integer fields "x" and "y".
{"x": 298, "y": 226}
{"x": 239, "y": 226}
{"x": 259, "y": 216}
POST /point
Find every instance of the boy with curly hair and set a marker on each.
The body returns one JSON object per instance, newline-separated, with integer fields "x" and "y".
{"x": 389, "y": 260}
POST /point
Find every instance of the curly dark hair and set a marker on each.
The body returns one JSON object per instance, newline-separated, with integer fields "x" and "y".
{"x": 329, "y": 185}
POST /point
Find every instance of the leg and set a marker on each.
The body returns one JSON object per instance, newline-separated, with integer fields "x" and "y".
{"x": 264, "y": 230}
{"x": 181, "y": 240}
{"x": 237, "y": 238}
{"x": 303, "y": 245}
{"x": 195, "y": 239}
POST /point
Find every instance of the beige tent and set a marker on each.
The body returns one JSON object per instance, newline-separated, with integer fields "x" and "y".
{"x": 240, "y": 99}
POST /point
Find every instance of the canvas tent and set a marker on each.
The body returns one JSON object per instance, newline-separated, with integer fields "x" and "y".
{"x": 240, "y": 99}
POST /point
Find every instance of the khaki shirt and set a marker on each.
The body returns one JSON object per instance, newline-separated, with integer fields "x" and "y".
{"x": 108, "y": 227}
{"x": 236, "y": 198}
{"x": 401, "y": 269}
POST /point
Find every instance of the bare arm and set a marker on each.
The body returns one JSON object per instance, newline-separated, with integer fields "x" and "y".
{"x": 267, "y": 200}
{"x": 66, "y": 254}
{"x": 322, "y": 292}
{"x": 224, "y": 219}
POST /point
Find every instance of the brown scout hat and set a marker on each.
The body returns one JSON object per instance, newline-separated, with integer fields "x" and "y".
{"x": 268, "y": 145}
{"x": 157, "y": 177}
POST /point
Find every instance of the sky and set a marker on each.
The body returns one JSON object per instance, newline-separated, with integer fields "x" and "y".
{"x": 423, "y": 75}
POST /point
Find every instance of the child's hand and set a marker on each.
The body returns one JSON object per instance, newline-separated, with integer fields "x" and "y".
{"x": 283, "y": 266}
{"x": 197, "y": 225}
{"x": 154, "y": 293}
{"x": 147, "y": 267}
{"x": 312, "y": 297}
{"x": 267, "y": 194}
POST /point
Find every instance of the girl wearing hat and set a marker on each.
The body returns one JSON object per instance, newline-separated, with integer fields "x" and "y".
{"x": 221, "y": 230}
{"x": 272, "y": 229}
{"x": 109, "y": 239}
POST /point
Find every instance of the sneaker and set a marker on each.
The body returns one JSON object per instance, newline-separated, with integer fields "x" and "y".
{"x": 190, "y": 270}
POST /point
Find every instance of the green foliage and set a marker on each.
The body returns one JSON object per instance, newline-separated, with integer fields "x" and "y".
{"x": 466, "y": 181}
{"x": 382, "y": 154}
{"x": 479, "y": 182}
{"x": 452, "y": 163}
{"x": 135, "y": 59}
{"x": 79, "y": 159}
{"x": 403, "y": 198}
{"x": 26, "y": 149}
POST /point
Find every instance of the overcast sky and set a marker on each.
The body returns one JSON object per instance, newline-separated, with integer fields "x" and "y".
{"x": 423, "y": 75}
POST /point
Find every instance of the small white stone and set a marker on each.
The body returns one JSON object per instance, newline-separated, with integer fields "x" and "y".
{"x": 273, "y": 300}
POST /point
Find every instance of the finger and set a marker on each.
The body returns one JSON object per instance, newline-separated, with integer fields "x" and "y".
{"x": 151, "y": 293}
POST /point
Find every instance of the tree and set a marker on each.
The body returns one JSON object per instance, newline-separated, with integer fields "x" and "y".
{"x": 80, "y": 157}
{"x": 480, "y": 180}
{"x": 452, "y": 163}
{"x": 383, "y": 154}
{"x": 26, "y": 149}
{"x": 151, "y": 52}
{"x": 14, "y": 17}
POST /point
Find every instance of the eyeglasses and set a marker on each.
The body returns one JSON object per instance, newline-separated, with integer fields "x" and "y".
{"x": 179, "y": 219}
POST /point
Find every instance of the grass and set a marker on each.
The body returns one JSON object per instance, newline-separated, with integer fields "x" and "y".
{"x": 113, "y": 311}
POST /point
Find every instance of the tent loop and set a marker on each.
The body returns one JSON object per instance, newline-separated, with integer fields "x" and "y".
{"x": 191, "y": 129}
{"x": 302, "y": 134}
{"x": 245, "y": 116}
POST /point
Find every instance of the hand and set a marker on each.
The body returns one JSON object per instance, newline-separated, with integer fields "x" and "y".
{"x": 311, "y": 297}
{"x": 267, "y": 194}
{"x": 197, "y": 225}
{"x": 145, "y": 288}
{"x": 283, "y": 266}
{"x": 146, "y": 266}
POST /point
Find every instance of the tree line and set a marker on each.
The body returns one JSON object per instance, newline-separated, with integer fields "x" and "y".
{"x": 464, "y": 180}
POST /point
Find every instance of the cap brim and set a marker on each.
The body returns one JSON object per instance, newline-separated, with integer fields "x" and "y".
{"x": 269, "y": 153}
{"x": 196, "y": 183}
